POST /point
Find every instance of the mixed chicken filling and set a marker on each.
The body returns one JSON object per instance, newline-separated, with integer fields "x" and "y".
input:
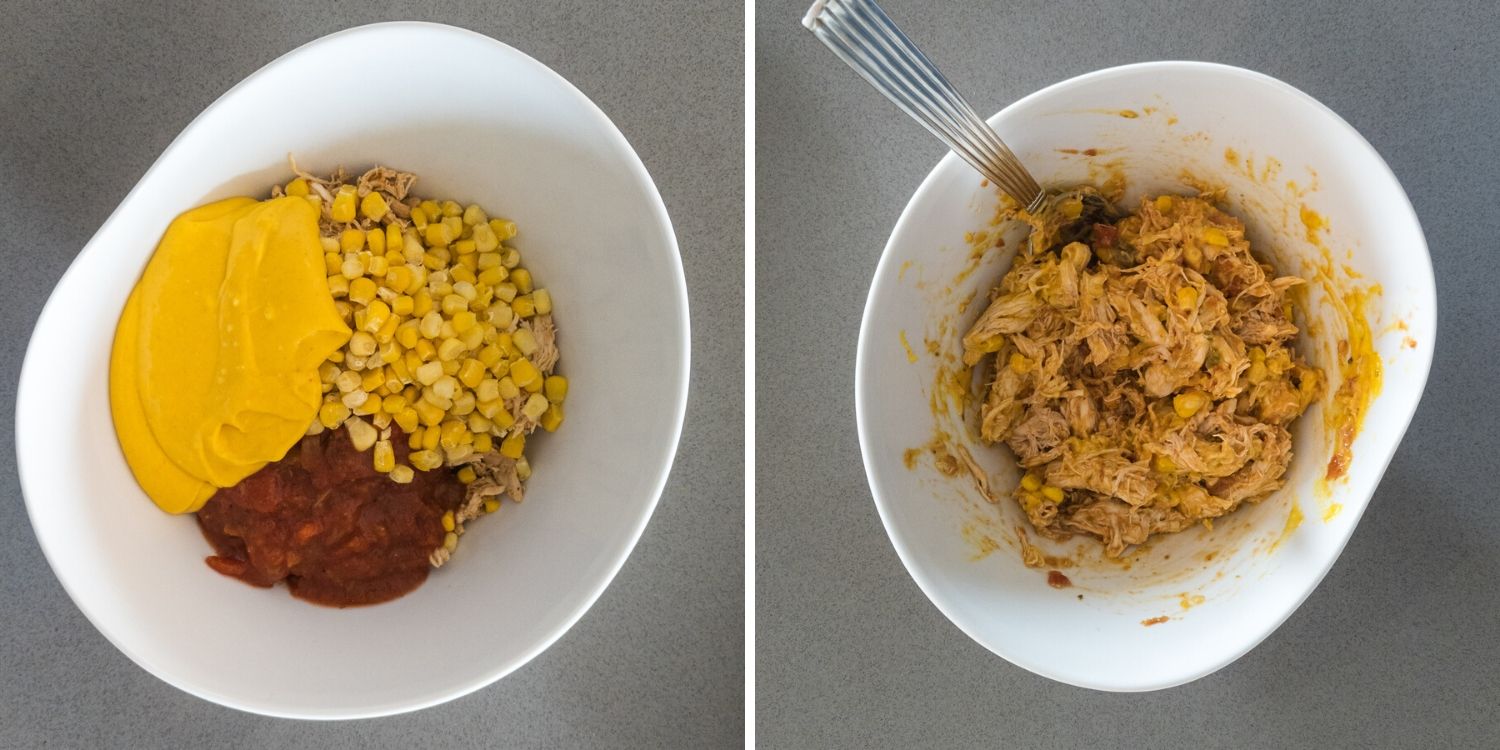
{"x": 1144, "y": 368}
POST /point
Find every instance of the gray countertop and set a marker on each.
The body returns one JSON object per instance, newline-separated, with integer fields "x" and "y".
{"x": 90, "y": 94}
{"x": 1399, "y": 646}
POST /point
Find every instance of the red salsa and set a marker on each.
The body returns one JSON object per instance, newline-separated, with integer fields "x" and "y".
{"x": 323, "y": 520}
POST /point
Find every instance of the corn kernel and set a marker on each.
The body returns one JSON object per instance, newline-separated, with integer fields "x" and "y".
{"x": 426, "y": 350}
{"x": 432, "y": 437}
{"x": 523, "y": 306}
{"x": 471, "y": 374}
{"x": 505, "y": 291}
{"x": 491, "y": 505}
{"x": 1163, "y": 465}
{"x": 425, "y": 460}
{"x": 454, "y": 224}
{"x": 535, "y": 406}
{"x": 1187, "y": 298}
{"x": 450, "y": 541}
{"x": 523, "y": 469}
{"x": 489, "y": 260}
{"x": 464, "y": 247}
{"x": 377, "y": 313}
{"x": 1020, "y": 363}
{"x": 407, "y": 420}
{"x": 552, "y": 418}
{"x": 438, "y": 235}
{"x": 355, "y": 399}
{"x": 427, "y": 413}
{"x": 513, "y": 446}
{"x": 361, "y": 434}
{"x": 1163, "y": 203}
{"x": 370, "y": 407}
{"x": 342, "y": 209}
{"x": 374, "y": 206}
{"x": 361, "y": 290}
{"x": 1055, "y": 494}
{"x": 503, "y": 229}
{"x": 1031, "y": 482}
{"x": 541, "y": 299}
{"x": 522, "y": 279}
{"x": 1215, "y": 236}
{"x": 556, "y": 388}
{"x": 523, "y": 373}
{"x": 503, "y": 419}
{"x": 449, "y": 348}
{"x": 1187, "y": 404}
{"x": 332, "y": 414}
{"x": 402, "y": 474}
{"x": 508, "y": 388}
{"x": 298, "y": 188}
{"x": 524, "y": 340}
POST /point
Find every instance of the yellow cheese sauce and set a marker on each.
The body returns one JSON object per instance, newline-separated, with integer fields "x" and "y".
{"x": 214, "y": 369}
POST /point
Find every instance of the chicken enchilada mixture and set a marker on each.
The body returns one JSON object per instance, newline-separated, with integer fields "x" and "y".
{"x": 1144, "y": 368}
{"x": 336, "y": 380}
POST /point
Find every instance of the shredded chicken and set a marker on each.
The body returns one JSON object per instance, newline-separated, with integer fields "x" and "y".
{"x": 1143, "y": 368}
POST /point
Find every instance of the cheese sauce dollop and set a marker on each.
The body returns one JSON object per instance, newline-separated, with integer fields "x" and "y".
{"x": 214, "y": 369}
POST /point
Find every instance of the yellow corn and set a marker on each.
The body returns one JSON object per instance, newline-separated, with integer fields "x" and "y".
{"x": 450, "y": 541}
{"x": 425, "y": 460}
{"x": 523, "y": 373}
{"x": 370, "y": 407}
{"x": 407, "y": 420}
{"x": 1187, "y": 404}
{"x": 332, "y": 414}
{"x": 525, "y": 341}
{"x": 556, "y": 388}
{"x": 522, "y": 279}
{"x": 428, "y": 413}
{"x": 1163, "y": 465}
{"x": 552, "y": 418}
{"x": 402, "y": 474}
{"x": 361, "y": 434}
{"x": 361, "y": 290}
{"x": 1163, "y": 203}
{"x": 467, "y": 475}
{"x": 1031, "y": 482}
{"x": 541, "y": 299}
{"x": 1055, "y": 494}
{"x": 338, "y": 286}
{"x": 385, "y": 456}
{"x": 1020, "y": 363}
{"x": 298, "y": 188}
{"x": 1215, "y": 236}
{"x": 374, "y": 206}
{"x": 438, "y": 235}
{"x": 448, "y": 522}
{"x": 503, "y": 229}
{"x": 513, "y": 446}
{"x": 342, "y": 209}
{"x": 351, "y": 240}
{"x": 491, "y": 505}
{"x": 523, "y": 306}
{"x": 1187, "y": 298}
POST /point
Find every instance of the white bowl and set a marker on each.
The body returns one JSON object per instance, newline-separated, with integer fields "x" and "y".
{"x": 478, "y": 121}
{"x": 963, "y": 552}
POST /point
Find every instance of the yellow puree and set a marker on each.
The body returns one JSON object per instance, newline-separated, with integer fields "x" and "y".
{"x": 214, "y": 371}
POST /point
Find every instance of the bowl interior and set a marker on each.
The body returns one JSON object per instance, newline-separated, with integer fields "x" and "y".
{"x": 1290, "y": 167}
{"x": 496, "y": 128}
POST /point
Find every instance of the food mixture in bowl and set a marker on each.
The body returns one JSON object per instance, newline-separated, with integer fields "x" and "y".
{"x": 336, "y": 379}
{"x": 1144, "y": 368}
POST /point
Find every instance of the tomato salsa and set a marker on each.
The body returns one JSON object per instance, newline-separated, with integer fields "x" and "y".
{"x": 323, "y": 520}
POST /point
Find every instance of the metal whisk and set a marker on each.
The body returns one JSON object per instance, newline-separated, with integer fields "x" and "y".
{"x": 863, "y": 36}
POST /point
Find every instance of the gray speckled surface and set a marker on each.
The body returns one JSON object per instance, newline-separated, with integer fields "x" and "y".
{"x": 1398, "y": 646}
{"x": 90, "y": 93}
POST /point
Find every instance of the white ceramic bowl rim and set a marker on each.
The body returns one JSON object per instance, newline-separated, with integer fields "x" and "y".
{"x": 53, "y": 308}
{"x": 1021, "y": 658}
